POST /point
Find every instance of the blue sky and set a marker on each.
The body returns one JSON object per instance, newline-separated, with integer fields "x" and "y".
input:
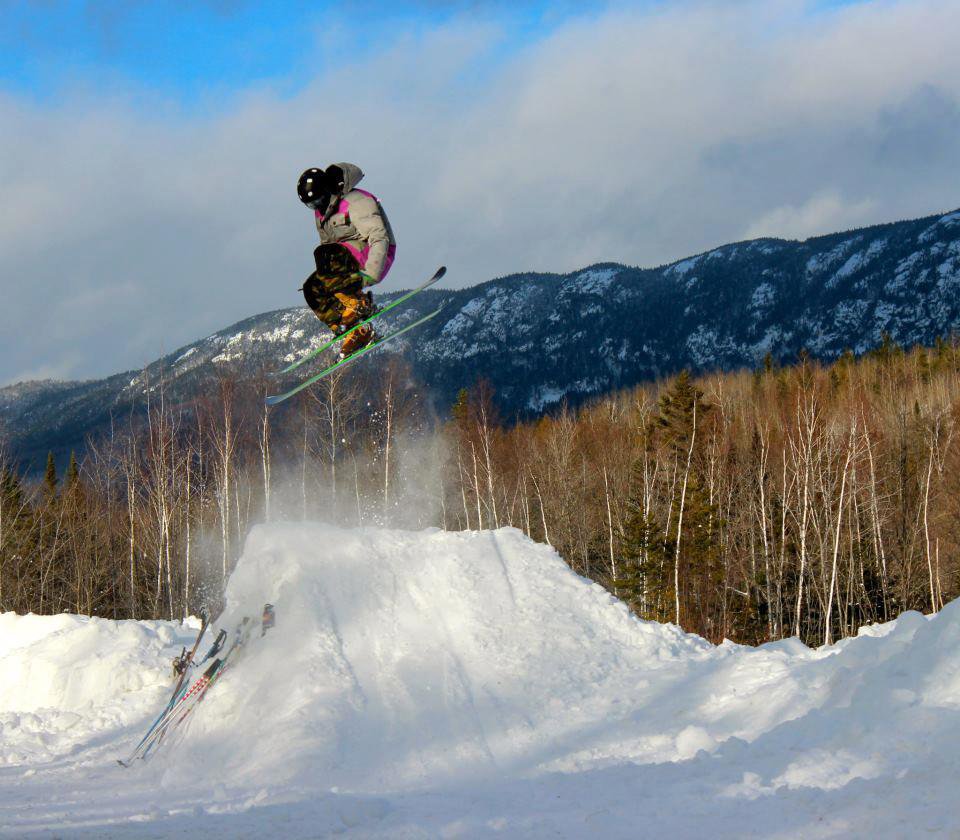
{"x": 192, "y": 52}
{"x": 149, "y": 151}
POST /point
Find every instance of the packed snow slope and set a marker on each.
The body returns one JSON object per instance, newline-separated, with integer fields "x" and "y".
{"x": 437, "y": 684}
{"x": 411, "y": 657}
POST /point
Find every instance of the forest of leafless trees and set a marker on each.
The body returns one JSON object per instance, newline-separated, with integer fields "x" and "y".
{"x": 807, "y": 500}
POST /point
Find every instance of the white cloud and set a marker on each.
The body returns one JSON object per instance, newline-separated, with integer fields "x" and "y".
{"x": 129, "y": 226}
{"x": 823, "y": 213}
{"x": 58, "y": 369}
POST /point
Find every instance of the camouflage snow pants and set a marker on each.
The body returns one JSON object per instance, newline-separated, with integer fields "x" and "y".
{"x": 335, "y": 290}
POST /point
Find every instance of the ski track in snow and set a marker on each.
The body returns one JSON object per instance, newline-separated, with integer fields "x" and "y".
{"x": 435, "y": 684}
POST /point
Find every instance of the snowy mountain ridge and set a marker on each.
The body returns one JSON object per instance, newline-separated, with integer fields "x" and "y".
{"x": 542, "y": 338}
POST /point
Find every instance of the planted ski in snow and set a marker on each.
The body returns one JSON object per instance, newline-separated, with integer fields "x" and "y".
{"x": 184, "y": 701}
{"x": 181, "y": 666}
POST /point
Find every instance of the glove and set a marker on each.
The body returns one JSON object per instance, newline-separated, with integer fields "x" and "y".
{"x": 367, "y": 280}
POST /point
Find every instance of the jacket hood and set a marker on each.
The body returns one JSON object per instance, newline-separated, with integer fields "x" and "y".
{"x": 352, "y": 175}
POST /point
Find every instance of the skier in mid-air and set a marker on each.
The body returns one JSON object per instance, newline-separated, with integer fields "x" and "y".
{"x": 356, "y": 250}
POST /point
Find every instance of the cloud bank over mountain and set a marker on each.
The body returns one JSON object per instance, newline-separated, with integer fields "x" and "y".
{"x": 130, "y": 221}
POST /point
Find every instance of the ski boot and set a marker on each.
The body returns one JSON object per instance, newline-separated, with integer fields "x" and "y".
{"x": 357, "y": 340}
{"x": 355, "y": 309}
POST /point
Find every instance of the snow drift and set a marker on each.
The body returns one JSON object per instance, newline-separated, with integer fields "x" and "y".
{"x": 65, "y": 679}
{"x": 422, "y": 684}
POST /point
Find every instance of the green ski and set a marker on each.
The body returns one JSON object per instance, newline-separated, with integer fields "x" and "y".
{"x": 279, "y": 398}
{"x": 318, "y": 350}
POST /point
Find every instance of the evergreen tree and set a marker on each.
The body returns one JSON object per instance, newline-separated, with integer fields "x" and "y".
{"x": 17, "y": 535}
{"x": 682, "y": 410}
{"x": 639, "y": 545}
{"x": 923, "y": 366}
{"x": 639, "y": 537}
{"x": 888, "y": 351}
{"x": 73, "y": 472}
{"x": 460, "y": 408}
{"x": 11, "y": 491}
{"x": 701, "y": 577}
{"x": 840, "y": 370}
{"x": 644, "y": 581}
{"x": 677, "y": 412}
{"x": 50, "y": 477}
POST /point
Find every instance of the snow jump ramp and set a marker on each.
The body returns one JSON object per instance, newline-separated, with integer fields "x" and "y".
{"x": 403, "y": 657}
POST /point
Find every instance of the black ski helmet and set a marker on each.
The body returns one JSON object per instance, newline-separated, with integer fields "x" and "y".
{"x": 314, "y": 190}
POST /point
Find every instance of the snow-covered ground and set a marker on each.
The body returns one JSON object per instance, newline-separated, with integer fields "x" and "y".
{"x": 434, "y": 684}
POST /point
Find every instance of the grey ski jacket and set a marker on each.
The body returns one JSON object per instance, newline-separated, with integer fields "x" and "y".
{"x": 357, "y": 221}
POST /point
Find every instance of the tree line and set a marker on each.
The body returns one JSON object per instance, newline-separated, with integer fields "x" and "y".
{"x": 805, "y": 500}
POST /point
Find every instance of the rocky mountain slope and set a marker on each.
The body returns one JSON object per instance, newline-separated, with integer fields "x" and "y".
{"x": 543, "y": 338}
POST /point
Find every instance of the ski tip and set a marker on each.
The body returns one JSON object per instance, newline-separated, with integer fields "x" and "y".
{"x": 273, "y": 400}
{"x": 440, "y": 272}
{"x": 122, "y": 763}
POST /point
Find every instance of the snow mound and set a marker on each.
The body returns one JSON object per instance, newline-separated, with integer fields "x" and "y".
{"x": 400, "y": 657}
